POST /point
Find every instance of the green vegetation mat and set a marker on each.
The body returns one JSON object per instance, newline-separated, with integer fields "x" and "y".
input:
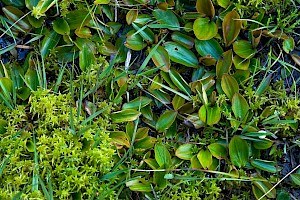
{"x": 150, "y": 99}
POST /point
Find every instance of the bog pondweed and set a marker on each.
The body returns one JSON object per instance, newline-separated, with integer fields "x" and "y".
{"x": 188, "y": 105}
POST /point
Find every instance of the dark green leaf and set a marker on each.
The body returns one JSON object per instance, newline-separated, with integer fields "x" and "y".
{"x": 165, "y": 120}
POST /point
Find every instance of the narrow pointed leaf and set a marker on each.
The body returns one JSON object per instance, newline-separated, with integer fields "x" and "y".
{"x": 49, "y": 42}
{"x": 179, "y": 82}
{"x": 296, "y": 178}
{"x": 263, "y": 85}
{"x": 139, "y": 185}
{"x": 17, "y": 16}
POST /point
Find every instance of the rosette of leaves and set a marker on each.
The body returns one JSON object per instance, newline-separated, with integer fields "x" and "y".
{"x": 48, "y": 152}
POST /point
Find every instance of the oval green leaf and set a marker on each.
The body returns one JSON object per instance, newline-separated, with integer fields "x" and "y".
{"x": 162, "y": 155}
{"x": 134, "y": 41}
{"x": 240, "y": 106}
{"x": 205, "y": 7}
{"x": 185, "y": 151}
{"x": 181, "y": 54}
{"x": 209, "y": 47}
{"x": 265, "y": 165}
{"x": 205, "y": 158}
{"x": 120, "y": 137}
{"x": 263, "y": 144}
{"x": 86, "y": 58}
{"x": 145, "y": 32}
{"x": 61, "y": 26}
{"x": 165, "y": 120}
{"x": 210, "y": 115}
{"x": 83, "y": 32}
{"x": 131, "y": 16}
{"x": 49, "y": 42}
{"x": 125, "y": 116}
{"x": 240, "y": 63}
{"x": 231, "y": 27}
{"x": 264, "y": 187}
{"x": 145, "y": 143}
{"x": 161, "y": 59}
{"x": 218, "y": 150}
{"x": 244, "y": 49}
{"x": 238, "y": 151}
{"x": 229, "y": 85}
{"x": 167, "y": 18}
{"x": 224, "y": 64}
{"x": 137, "y": 103}
{"x": 204, "y": 29}
{"x": 183, "y": 39}
{"x": 78, "y": 18}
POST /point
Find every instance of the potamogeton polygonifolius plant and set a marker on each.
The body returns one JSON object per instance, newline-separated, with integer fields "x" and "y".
{"x": 71, "y": 162}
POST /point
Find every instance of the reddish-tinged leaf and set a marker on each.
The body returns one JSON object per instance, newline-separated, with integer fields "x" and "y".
{"x": 229, "y": 85}
{"x": 131, "y": 16}
{"x": 231, "y": 27}
{"x": 224, "y": 64}
{"x": 161, "y": 59}
{"x": 205, "y": 7}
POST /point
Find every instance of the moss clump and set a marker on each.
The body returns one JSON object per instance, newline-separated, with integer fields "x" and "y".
{"x": 50, "y": 152}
